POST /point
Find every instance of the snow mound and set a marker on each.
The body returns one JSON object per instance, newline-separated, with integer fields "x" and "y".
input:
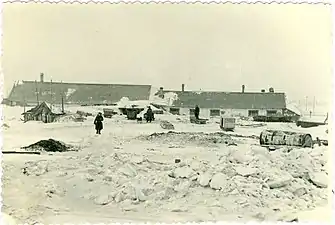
{"x": 49, "y": 145}
{"x": 184, "y": 138}
{"x": 70, "y": 118}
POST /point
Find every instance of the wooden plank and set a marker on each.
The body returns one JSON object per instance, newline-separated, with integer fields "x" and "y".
{"x": 20, "y": 152}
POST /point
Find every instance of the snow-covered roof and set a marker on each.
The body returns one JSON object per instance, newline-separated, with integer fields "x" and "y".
{"x": 125, "y": 103}
{"x": 314, "y": 119}
{"x": 228, "y": 100}
{"x": 78, "y": 93}
{"x": 294, "y": 109}
{"x": 53, "y": 109}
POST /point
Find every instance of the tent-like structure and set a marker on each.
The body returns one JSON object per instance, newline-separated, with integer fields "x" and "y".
{"x": 43, "y": 112}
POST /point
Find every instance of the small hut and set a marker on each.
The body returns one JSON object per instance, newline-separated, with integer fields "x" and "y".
{"x": 43, "y": 112}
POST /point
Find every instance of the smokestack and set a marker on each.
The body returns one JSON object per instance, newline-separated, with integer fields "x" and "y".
{"x": 41, "y": 77}
{"x": 243, "y": 88}
{"x": 183, "y": 87}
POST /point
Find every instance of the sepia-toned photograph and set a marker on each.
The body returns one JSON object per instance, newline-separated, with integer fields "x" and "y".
{"x": 115, "y": 113}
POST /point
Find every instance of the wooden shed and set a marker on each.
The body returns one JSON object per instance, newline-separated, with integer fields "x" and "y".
{"x": 43, "y": 112}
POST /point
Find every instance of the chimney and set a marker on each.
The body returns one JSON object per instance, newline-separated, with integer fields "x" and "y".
{"x": 263, "y": 90}
{"x": 41, "y": 77}
{"x": 243, "y": 87}
{"x": 183, "y": 87}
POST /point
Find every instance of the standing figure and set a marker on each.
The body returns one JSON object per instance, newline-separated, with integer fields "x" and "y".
{"x": 149, "y": 115}
{"x": 98, "y": 123}
{"x": 196, "y": 112}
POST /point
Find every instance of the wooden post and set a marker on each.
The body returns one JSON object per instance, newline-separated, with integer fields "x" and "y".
{"x": 24, "y": 110}
{"x": 51, "y": 102}
{"x": 24, "y": 105}
{"x": 62, "y": 104}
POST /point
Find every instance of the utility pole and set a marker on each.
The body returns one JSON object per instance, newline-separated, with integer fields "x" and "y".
{"x": 24, "y": 109}
{"x": 62, "y": 104}
{"x": 62, "y": 96}
{"x": 314, "y": 105}
{"x": 24, "y": 104}
{"x": 51, "y": 102}
{"x": 37, "y": 93}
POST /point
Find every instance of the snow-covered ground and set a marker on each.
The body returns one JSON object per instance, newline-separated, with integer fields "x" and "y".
{"x": 129, "y": 172}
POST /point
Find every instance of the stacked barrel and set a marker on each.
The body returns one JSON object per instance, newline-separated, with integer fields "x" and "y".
{"x": 277, "y": 137}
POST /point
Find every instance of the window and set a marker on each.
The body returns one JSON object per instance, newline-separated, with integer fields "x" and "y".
{"x": 271, "y": 112}
{"x": 175, "y": 111}
{"x": 214, "y": 112}
{"x": 253, "y": 112}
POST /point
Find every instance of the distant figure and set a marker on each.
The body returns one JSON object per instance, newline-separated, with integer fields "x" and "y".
{"x": 196, "y": 112}
{"x": 98, "y": 123}
{"x": 310, "y": 113}
{"x": 149, "y": 115}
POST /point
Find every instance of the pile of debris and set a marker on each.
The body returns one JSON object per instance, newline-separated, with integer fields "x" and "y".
{"x": 193, "y": 138}
{"x": 50, "y": 145}
{"x": 71, "y": 117}
{"x": 166, "y": 125}
{"x": 84, "y": 114}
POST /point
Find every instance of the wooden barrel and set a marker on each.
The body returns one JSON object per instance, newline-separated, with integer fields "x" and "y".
{"x": 278, "y": 137}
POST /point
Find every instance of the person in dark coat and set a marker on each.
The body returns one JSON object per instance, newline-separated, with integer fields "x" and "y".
{"x": 98, "y": 123}
{"x": 196, "y": 112}
{"x": 149, "y": 115}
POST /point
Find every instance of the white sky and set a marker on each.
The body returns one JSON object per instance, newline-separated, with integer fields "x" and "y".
{"x": 286, "y": 46}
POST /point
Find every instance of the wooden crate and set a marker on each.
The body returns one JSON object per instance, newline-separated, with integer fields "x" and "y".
{"x": 108, "y": 113}
{"x": 228, "y": 124}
